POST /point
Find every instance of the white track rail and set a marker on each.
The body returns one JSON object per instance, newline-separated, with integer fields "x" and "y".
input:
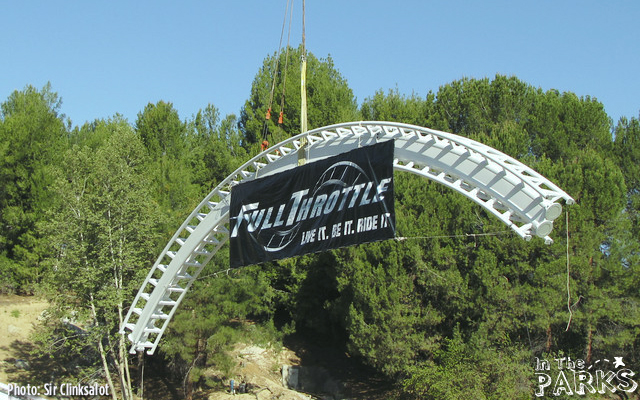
{"x": 517, "y": 195}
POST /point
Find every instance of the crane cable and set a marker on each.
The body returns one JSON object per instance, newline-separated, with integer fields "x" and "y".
{"x": 286, "y": 64}
{"x": 265, "y": 130}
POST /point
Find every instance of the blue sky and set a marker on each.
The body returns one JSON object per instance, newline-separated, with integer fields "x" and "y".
{"x": 115, "y": 57}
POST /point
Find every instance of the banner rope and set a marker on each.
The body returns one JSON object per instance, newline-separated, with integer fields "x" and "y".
{"x": 498, "y": 233}
{"x": 568, "y": 276}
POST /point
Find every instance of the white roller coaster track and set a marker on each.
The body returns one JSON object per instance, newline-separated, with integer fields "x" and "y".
{"x": 517, "y": 195}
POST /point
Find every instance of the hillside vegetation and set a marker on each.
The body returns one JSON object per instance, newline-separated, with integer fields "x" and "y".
{"x": 447, "y": 313}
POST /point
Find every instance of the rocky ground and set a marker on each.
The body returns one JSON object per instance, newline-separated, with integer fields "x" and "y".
{"x": 260, "y": 369}
{"x": 325, "y": 373}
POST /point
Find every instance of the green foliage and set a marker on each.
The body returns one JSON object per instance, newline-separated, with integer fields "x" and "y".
{"x": 164, "y": 136}
{"x": 395, "y": 107}
{"x": 627, "y": 150}
{"x": 562, "y": 125}
{"x": 443, "y": 312}
{"x": 31, "y": 135}
{"x": 329, "y": 98}
{"x": 101, "y": 238}
{"x": 105, "y": 216}
{"x": 385, "y": 322}
{"x": 215, "y": 148}
{"x": 462, "y": 369}
{"x": 161, "y": 130}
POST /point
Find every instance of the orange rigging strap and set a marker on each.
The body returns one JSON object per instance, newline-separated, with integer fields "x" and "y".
{"x": 265, "y": 131}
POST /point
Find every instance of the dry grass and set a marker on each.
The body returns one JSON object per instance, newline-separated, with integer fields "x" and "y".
{"x": 18, "y": 314}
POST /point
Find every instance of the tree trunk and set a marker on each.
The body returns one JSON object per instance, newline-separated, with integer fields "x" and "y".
{"x": 105, "y": 366}
{"x": 103, "y": 353}
{"x": 548, "y": 345}
{"x": 119, "y": 359}
{"x": 589, "y": 345}
{"x": 189, "y": 389}
{"x": 127, "y": 392}
{"x": 123, "y": 356}
{"x": 186, "y": 383}
{"x": 202, "y": 352}
{"x": 141, "y": 374}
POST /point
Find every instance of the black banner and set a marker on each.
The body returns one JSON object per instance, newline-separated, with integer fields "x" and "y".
{"x": 339, "y": 201}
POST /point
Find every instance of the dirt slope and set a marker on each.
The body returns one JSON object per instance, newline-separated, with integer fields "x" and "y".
{"x": 18, "y": 314}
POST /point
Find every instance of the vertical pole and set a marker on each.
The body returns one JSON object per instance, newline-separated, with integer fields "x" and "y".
{"x": 141, "y": 369}
{"x": 302, "y": 154}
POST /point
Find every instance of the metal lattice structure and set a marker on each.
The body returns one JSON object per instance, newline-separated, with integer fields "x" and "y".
{"x": 517, "y": 195}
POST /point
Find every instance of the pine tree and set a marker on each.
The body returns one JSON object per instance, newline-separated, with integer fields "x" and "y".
{"x": 32, "y": 134}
